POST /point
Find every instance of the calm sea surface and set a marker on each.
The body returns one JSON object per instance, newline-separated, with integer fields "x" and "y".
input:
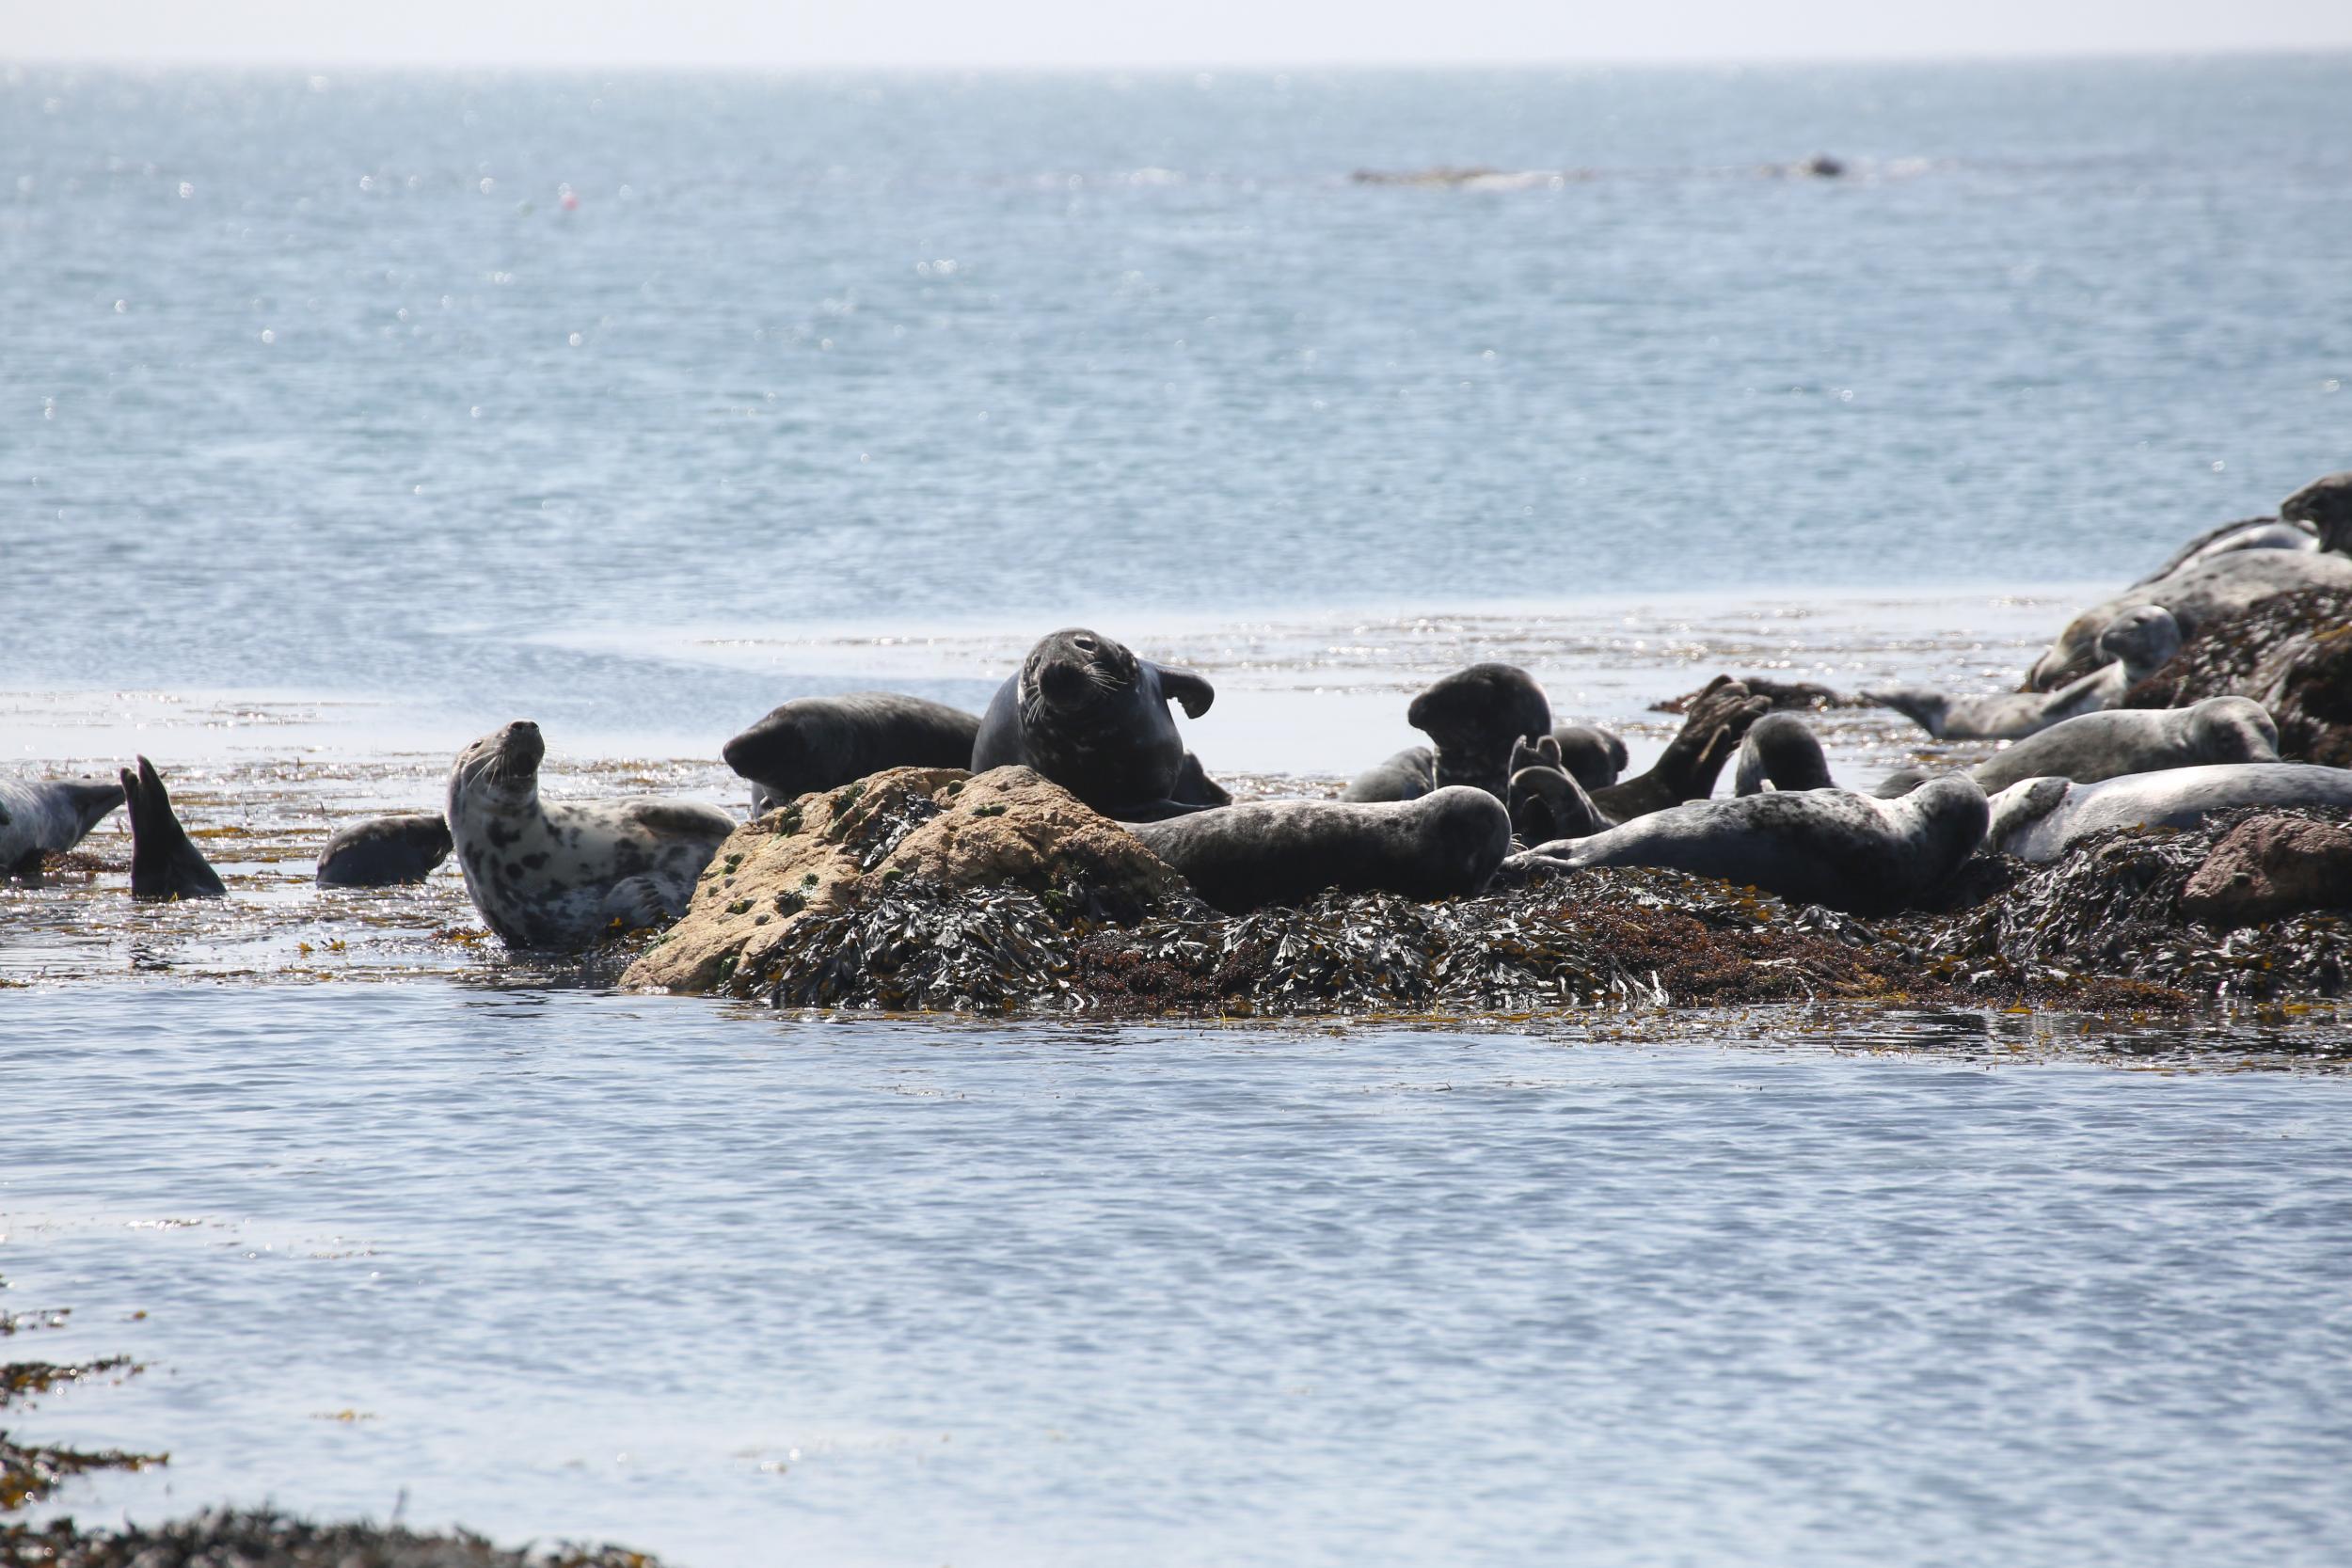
{"x": 343, "y": 418}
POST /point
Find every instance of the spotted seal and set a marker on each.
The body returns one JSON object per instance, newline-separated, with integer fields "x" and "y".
{"x": 1091, "y": 717}
{"x": 2108, "y": 745}
{"x": 1473, "y": 718}
{"x": 2133, "y": 646}
{"x": 1445, "y": 845}
{"x": 2222, "y": 585}
{"x": 384, "y": 851}
{"x": 165, "y": 863}
{"x": 1852, "y": 852}
{"x": 559, "y": 875}
{"x": 2039, "y": 819}
{"x": 39, "y": 818}
{"x": 813, "y": 743}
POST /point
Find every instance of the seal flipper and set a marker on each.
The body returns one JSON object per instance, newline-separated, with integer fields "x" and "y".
{"x": 164, "y": 864}
{"x": 635, "y": 903}
{"x": 1193, "y": 787}
{"x": 1186, "y": 688}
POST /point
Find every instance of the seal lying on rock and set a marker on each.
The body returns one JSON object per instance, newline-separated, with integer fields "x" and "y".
{"x": 2134, "y": 646}
{"x": 1594, "y": 756}
{"x": 48, "y": 816}
{"x": 1091, "y": 717}
{"x": 1694, "y": 760}
{"x": 1781, "y": 753}
{"x": 2039, "y": 819}
{"x": 562, "y": 874}
{"x": 812, "y": 743}
{"x": 384, "y": 851}
{"x": 2196, "y": 594}
{"x": 1545, "y": 800}
{"x": 163, "y": 862}
{"x": 2108, "y": 745}
{"x": 1474, "y": 717}
{"x": 2250, "y": 534}
{"x": 2325, "y": 506}
{"x": 1445, "y": 845}
{"x": 1852, "y": 852}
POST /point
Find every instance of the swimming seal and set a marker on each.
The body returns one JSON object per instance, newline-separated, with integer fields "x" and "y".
{"x": 163, "y": 862}
{"x": 39, "y": 818}
{"x": 1781, "y": 753}
{"x": 2108, "y": 745}
{"x": 2039, "y": 819}
{"x": 813, "y": 743}
{"x": 558, "y": 876}
{"x": 1852, "y": 852}
{"x": 1094, "y": 718}
{"x": 1717, "y": 722}
{"x": 1472, "y": 717}
{"x": 2196, "y": 594}
{"x": 1445, "y": 845}
{"x": 2133, "y": 646}
{"x": 384, "y": 851}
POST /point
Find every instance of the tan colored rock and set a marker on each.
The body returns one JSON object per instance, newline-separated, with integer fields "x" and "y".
{"x": 823, "y": 852}
{"x": 2270, "y": 867}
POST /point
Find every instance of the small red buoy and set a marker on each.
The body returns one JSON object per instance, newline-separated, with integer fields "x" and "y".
{"x": 571, "y": 202}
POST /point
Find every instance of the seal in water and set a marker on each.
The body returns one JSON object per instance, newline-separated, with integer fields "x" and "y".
{"x": 1473, "y": 718}
{"x": 1781, "y": 751}
{"x": 2134, "y": 646}
{"x": 2039, "y": 819}
{"x": 1094, "y": 718}
{"x": 813, "y": 743}
{"x": 1445, "y": 845}
{"x": 562, "y": 874}
{"x": 1852, "y": 852}
{"x": 384, "y": 851}
{"x": 164, "y": 864}
{"x": 2125, "y": 740}
{"x": 39, "y": 818}
{"x": 1718, "y": 720}
{"x": 2196, "y": 594}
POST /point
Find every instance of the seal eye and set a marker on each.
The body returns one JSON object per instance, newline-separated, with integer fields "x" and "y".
{"x": 1085, "y": 641}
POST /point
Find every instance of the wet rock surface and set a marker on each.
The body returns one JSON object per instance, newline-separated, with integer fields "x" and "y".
{"x": 2269, "y": 867}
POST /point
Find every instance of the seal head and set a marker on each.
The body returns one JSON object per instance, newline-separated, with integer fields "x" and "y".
{"x": 1091, "y": 717}
{"x": 385, "y": 851}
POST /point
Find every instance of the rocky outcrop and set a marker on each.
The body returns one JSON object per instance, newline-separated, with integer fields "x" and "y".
{"x": 2293, "y": 654}
{"x": 793, "y": 870}
{"x": 2268, "y": 868}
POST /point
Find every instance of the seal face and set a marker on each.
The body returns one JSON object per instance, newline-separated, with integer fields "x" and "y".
{"x": 1091, "y": 717}
{"x": 1832, "y": 847}
{"x": 1240, "y": 857}
{"x": 2324, "y": 506}
{"x": 2039, "y": 819}
{"x": 165, "y": 863}
{"x": 561, "y": 875}
{"x": 39, "y": 818}
{"x": 814, "y": 743}
{"x": 384, "y": 851}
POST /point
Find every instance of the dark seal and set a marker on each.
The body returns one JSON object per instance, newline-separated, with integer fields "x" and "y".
{"x": 1094, "y": 718}
{"x": 813, "y": 743}
{"x": 1781, "y": 751}
{"x": 163, "y": 862}
{"x": 1445, "y": 845}
{"x": 1712, "y": 729}
{"x": 1473, "y": 718}
{"x": 385, "y": 851}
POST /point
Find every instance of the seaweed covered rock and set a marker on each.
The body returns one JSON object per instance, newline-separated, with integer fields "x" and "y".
{"x": 783, "y": 878}
{"x": 1785, "y": 696}
{"x": 2117, "y": 906}
{"x": 2222, "y": 656}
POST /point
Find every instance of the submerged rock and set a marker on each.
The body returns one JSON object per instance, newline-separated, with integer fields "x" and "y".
{"x": 782, "y": 876}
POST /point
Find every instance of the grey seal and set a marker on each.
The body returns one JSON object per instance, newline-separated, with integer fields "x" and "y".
{"x": 2196, "y": 594}
{"x": 2039, "y": 819}
{"x": 1595, "y": 757}
{"x": 2108, "y": 745}
{"x": 1852, "y": 852}
{"x": 561, "y": 875}
{"x": 1546, "y": 800}
{"x": 165, "y": 863}
{"x": 1445, "y": 845}
{"x": 1781, "y": 751}
{"x": 2325, "y": 506}
{"x": 1717, "y": 722}
{"x": 384, "y": 851}
{"x": 2248, "y": 534}
{"x": 39, "y": 818}
{"x": 1089, "y": 714}
{"x": 813, "y": 743}
{"x": 1472, "y": 717}
{"x": 2133, "y": 646}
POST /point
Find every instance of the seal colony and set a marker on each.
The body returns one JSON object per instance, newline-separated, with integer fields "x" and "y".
{"x": 2173, "y": 726}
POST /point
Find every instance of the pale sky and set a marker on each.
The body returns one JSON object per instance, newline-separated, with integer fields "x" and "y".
{"x": 784, "y": 34}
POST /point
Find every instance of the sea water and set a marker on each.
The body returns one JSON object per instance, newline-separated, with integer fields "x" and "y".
{"x": 348, "y": 416}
